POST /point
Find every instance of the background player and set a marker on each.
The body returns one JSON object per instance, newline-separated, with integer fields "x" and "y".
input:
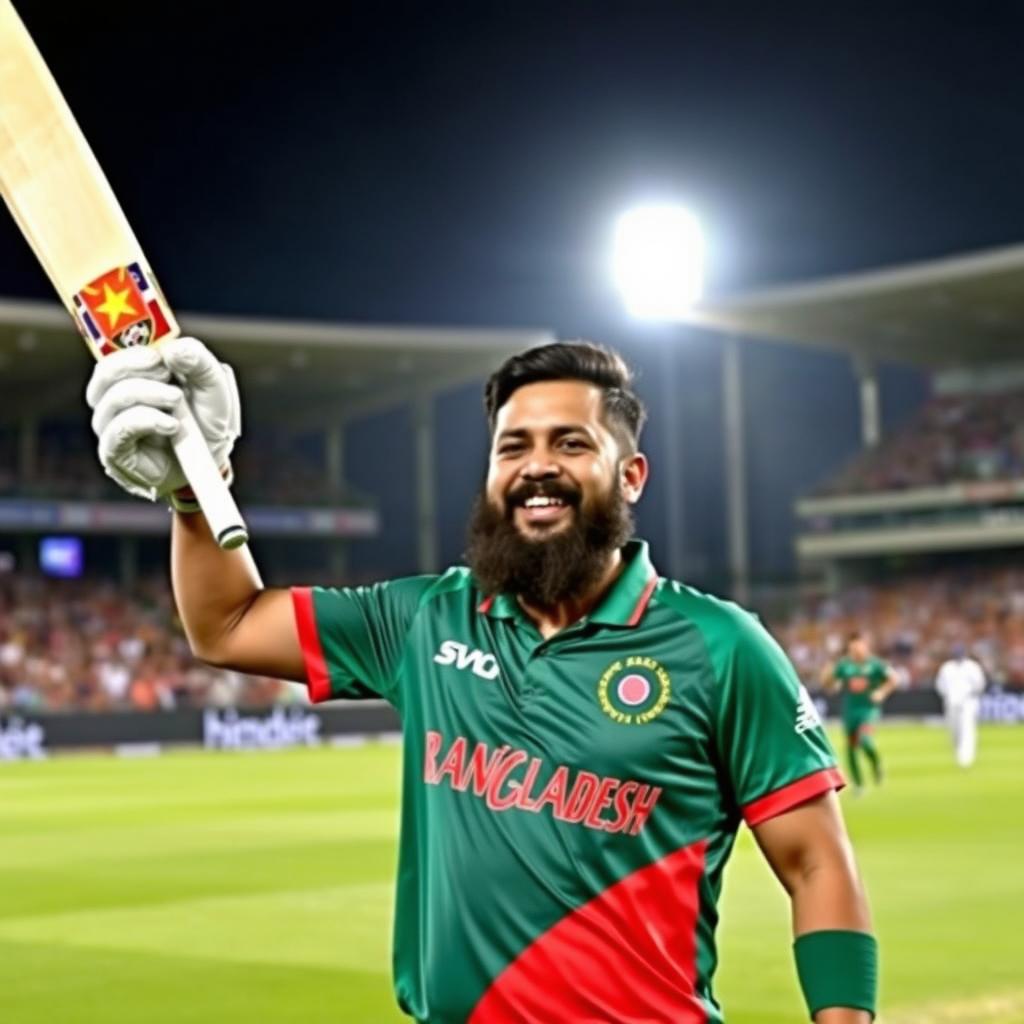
{"x": 581, "y": 737}
{"x": 864, "y": 682}
{"x": 961, "y": 682}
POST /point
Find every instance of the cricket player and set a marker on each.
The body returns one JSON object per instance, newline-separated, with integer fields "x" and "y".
{"x": 864, "y": 682}
{"x": 582, "y": 737}
{"x": 961, "y": 682}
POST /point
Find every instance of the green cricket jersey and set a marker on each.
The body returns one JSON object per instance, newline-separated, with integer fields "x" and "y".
{"x": 569, "y": 803}
{"x": 857, "y": 681}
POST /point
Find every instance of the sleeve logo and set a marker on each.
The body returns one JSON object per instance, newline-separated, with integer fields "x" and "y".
{"x": 807, "y": 714}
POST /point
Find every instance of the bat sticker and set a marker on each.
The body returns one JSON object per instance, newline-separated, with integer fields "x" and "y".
{"x": 121, "y": 309}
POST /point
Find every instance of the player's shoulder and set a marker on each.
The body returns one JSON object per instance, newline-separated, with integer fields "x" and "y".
{"x": 740, "y": 649}
{"x": 721, "y": 621}
{"x": 456, "y": 579}
{"x": 410, "y": 595}
{"x": 397, "y": 591}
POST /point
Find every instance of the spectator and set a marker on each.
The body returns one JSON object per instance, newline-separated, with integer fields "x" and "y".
{"x": 85, "y": 645}
{"x": 915, "y": 620}
{"x": 952, "y": 439}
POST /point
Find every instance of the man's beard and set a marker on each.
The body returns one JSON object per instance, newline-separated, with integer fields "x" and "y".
{"x": 548, "y": 569}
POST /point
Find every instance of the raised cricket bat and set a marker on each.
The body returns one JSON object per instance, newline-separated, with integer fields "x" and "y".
{"x": 69, "y": 215}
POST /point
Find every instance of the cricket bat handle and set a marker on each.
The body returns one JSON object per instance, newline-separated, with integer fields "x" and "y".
{"x": 210, "y": 488}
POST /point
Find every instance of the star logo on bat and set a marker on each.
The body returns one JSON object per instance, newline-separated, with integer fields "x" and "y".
{"x": 116, "y": 304}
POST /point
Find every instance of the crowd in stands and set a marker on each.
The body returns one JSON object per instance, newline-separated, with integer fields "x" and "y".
{"x": 952, "y": 438}
{"x": 89, "y": 645}
{"x": 915, "y": 621}
{"x": 268, "y": 470}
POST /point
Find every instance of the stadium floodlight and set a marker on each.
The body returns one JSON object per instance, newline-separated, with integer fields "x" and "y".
{"x": 658, "y": 261}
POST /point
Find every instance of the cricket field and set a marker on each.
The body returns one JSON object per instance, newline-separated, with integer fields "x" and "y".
{"x": 257, "y": 888}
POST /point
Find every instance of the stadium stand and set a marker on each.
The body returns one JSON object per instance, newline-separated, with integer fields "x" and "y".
{"x": 111, "y": 640}
{"x": 915, "y": 620}
{"x": 273, "y": 468}
{"x": 953, "y": 438}
{"x": 88, "y": 645}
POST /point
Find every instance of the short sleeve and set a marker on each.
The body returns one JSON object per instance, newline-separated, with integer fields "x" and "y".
{"x": 769, "y": 732}
{"x": 353, "y": 638}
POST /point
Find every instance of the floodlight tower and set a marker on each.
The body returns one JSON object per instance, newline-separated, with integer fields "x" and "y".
{"x": 658, "y": 266}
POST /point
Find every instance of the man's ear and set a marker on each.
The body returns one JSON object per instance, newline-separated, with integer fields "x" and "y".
{"x": 633, "y": 471}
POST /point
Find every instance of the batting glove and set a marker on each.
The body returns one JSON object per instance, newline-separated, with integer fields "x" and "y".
{"x": 134, "y": 395}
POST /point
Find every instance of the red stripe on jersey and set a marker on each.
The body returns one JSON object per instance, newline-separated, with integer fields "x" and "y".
{"x": 641, "y": 605}
{"x": 629, "y": 956}
{"x": 318, "y": 679}
{"x": 790, "y": 796}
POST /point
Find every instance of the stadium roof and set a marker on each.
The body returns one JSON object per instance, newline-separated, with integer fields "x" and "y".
{"x": 964, "y": 310}
{"x": 299, "y": 374}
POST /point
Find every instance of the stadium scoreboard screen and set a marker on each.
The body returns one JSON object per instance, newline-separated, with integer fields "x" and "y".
{"x": 61, "y": 557}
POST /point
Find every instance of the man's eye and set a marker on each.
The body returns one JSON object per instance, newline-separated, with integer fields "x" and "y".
{"x": 509, "y": 449}
{"x": 575, "y": 442}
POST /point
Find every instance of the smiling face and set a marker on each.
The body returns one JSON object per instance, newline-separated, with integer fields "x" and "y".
{"x": 556, "y": 503}
{"x": 554, "y": 455}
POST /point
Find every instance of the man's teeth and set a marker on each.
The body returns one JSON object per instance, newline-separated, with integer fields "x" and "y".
{"x": 542, "y": 502}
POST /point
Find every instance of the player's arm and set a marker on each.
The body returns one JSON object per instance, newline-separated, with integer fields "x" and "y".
{"x": 880, "y": 695}
{"x": 810, "y": 853}
{"x": 827, "y": 677}
{"x": 230, "y": 619}
{"x": 783, "y": 773}
{"x": 980, "y": 681}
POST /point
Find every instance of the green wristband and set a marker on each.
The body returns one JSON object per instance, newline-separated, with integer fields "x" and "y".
{"x": 184, "y": 500}
{"x": 837, "y": 968}
{"x": 180, "y": 503}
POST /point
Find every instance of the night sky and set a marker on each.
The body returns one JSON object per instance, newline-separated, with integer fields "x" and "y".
{"x": 462, "y": 163}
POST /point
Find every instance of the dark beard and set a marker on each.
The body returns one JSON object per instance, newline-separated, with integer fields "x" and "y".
{"x": 543, "y": 572}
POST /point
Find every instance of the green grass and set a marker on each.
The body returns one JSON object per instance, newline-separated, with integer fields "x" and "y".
{"x": 257, "y": 888}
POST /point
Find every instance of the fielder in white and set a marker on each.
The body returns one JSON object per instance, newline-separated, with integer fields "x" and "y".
{"x": 961, "y": 682}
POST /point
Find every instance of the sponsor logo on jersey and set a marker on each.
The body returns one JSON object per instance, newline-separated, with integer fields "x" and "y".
{"x": 857, "y": 684}
{"x": 634, "y": 690}
{"x": 807, "y": 714}
{"x": 480, "y": 663}
{"x": 511, "y": 779}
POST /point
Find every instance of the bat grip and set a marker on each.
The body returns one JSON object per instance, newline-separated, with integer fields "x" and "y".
{"x": 209, "y": 487}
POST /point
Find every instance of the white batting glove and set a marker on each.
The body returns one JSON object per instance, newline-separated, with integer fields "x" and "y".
{"x": 134, "y": 394}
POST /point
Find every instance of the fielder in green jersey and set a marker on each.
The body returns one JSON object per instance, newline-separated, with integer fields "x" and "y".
{"x": 582, "y": 737}
{"x": 863, "y": 682}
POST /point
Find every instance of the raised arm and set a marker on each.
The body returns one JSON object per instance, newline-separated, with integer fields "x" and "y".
{"x": 230, "y": 619}
{"x": 809, "y": 851}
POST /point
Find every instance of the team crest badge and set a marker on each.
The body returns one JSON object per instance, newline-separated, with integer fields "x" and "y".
{"x": 634, "y": 690}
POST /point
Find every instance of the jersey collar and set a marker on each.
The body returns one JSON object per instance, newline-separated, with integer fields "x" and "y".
{"x": 623, "y": 605}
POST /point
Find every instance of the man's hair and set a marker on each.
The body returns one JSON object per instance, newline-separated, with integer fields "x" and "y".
{"x": 624, "y": 413}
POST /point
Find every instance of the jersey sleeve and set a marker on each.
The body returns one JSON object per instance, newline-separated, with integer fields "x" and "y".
{"x": 352, "y": 638}
{"x": 879, "y": 672}
{"x": 769, "y": 733}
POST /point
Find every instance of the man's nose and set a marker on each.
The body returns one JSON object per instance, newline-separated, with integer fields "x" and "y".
{"x": 540, "y": 467}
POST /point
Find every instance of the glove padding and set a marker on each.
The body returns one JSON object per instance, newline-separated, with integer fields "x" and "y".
{"x": 134, "y": 394}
